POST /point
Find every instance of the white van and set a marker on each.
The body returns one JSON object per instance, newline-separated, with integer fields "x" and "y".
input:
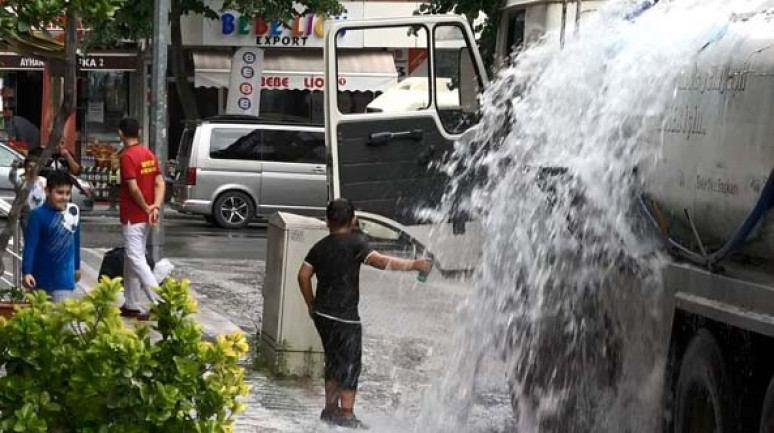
{"x": 234, "y": 169}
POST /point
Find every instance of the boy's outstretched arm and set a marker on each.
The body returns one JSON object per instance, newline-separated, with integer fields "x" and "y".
{"x": 390, "y": 263}
{"x": 305, "y": 274}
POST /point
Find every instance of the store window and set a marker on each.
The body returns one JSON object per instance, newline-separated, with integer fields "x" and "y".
{"x": 106, "y": 104}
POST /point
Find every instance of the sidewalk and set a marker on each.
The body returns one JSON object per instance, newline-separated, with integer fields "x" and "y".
{"x": 212, "y": 323}
{"x": 408, "y": 332}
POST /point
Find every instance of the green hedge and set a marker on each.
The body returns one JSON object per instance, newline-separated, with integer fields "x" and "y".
{"x": 75, "y": 367}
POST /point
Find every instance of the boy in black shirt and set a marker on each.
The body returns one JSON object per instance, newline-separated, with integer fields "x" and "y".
{"x": 335, "y": 260}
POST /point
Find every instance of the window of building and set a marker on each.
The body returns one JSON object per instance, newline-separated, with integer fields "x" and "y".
{"x": 105, "y": 103}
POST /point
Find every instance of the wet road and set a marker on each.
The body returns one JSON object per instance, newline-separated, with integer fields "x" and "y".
{"x": 189, "y": 238}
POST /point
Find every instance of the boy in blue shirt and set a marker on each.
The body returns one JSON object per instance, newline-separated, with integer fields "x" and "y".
{"x": 52, "y": 258}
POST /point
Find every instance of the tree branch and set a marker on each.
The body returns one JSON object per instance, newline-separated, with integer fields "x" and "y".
{"x": 66, "y": 109}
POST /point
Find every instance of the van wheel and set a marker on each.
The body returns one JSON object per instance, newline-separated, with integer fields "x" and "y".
{"x": 234, "y": 210}
{"x": 767, "y": 414}
{"x": 704, "y": 399}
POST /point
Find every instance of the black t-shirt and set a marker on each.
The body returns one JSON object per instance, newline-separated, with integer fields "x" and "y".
{"x": 336, "y": 261}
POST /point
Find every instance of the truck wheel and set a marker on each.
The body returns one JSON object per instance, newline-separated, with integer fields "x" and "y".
{"x": 704, "y": 400}
{"x": 233, "y": 210}
{"x": 767, "y": 414}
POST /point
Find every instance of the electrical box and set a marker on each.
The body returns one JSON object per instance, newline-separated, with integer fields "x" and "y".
{"x": 289, "y": 340}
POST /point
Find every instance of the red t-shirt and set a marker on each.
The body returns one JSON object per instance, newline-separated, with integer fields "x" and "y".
{"x": 139, "y": 163}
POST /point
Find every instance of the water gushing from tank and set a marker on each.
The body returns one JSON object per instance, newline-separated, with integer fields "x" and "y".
{"x": 569, "y": 287}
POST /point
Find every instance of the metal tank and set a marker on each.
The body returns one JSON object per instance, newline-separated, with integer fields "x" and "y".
{"x": 711, "y": 190}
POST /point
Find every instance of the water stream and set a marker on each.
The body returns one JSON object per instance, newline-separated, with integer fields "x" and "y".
{"x": 569, "y": 293}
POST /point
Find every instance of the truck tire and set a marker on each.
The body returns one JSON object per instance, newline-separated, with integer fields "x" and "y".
{"x": 704, "y": 396}
{"x": 767, "y": 412}
{"x": 233, "y": 210}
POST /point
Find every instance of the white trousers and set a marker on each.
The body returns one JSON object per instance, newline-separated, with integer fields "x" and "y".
{"x": 139, "y": 281}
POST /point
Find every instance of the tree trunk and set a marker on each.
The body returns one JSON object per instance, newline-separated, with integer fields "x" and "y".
{"x": 66, "y": 109}
{"x": 184, "y": 89}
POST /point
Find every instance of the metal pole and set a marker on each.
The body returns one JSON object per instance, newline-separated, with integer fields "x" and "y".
{"x": 577, "y": 16}
{"x": 564, "y": 23}
{"x": 17, "y": 276}
{"x": 158, "y": 106}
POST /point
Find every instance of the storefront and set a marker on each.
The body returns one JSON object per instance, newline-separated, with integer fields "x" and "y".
{"x": 21, "y": 100}
{"x": 292, "y": 81}
{"x": 104, "y": 81}
{"x": 293, "y": 72}
{"x": 107, "y": 90}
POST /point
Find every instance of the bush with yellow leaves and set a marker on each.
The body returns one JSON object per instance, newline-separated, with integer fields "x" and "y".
{"x": 75, "y": 367}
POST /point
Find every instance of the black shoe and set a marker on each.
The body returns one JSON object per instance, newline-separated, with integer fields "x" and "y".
{"x": 329, "y": 416}
{"x": 129, "y": 312}
{"x": 350, "y": 422}
{"x": 142, "y": 317}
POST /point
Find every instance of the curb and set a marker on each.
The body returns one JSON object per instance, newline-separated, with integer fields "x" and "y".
{"x": 212, "y": 323}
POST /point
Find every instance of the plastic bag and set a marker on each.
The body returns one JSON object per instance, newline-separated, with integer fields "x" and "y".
{"x": 163, "y": 269}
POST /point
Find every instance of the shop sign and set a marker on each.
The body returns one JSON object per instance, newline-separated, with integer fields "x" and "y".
{"x": 246, "y": 67}
{"x": 313, "y": 82}
{"x": 103, "y": 62}
{"x": 86, "y": 63}
{"x": 296, "y": 82}
{"x": 233, "y": 29}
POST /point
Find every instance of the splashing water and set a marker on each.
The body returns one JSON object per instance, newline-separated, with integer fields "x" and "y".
{"x": 569, "y": 287}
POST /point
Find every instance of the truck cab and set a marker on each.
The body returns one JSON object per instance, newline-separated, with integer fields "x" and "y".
{"x": 524, "y": 22}
{"x": 387, "y": 157}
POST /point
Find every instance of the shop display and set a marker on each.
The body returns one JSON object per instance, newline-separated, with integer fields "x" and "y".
{"x": 101, "y": 167}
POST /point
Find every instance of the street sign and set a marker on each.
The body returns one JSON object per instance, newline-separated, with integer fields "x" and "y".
{"x": 244, "y": 96}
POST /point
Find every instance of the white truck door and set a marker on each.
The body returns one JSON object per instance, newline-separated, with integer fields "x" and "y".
{"x": 386, "y": 147}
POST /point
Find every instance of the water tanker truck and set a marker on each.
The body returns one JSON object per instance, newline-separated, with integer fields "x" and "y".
{"x": 709, "y": 196}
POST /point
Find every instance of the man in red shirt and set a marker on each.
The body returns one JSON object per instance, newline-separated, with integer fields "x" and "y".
{"x": 140, "y": 201}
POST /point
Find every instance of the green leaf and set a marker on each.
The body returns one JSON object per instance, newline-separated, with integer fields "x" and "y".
{"x": 113, "y": 378}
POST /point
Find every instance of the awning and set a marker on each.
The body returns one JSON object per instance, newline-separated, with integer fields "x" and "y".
{"x": 361, "y": 70}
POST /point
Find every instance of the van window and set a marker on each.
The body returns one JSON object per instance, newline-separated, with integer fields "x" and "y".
{"x": 293, "y": 146}
{"x": 186, "y": 143}
{"x": 235, "y": 143}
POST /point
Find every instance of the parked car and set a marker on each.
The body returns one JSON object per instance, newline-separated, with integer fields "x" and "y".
{"x": 83, "y": 194}
{"x": 234, "y": 169}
